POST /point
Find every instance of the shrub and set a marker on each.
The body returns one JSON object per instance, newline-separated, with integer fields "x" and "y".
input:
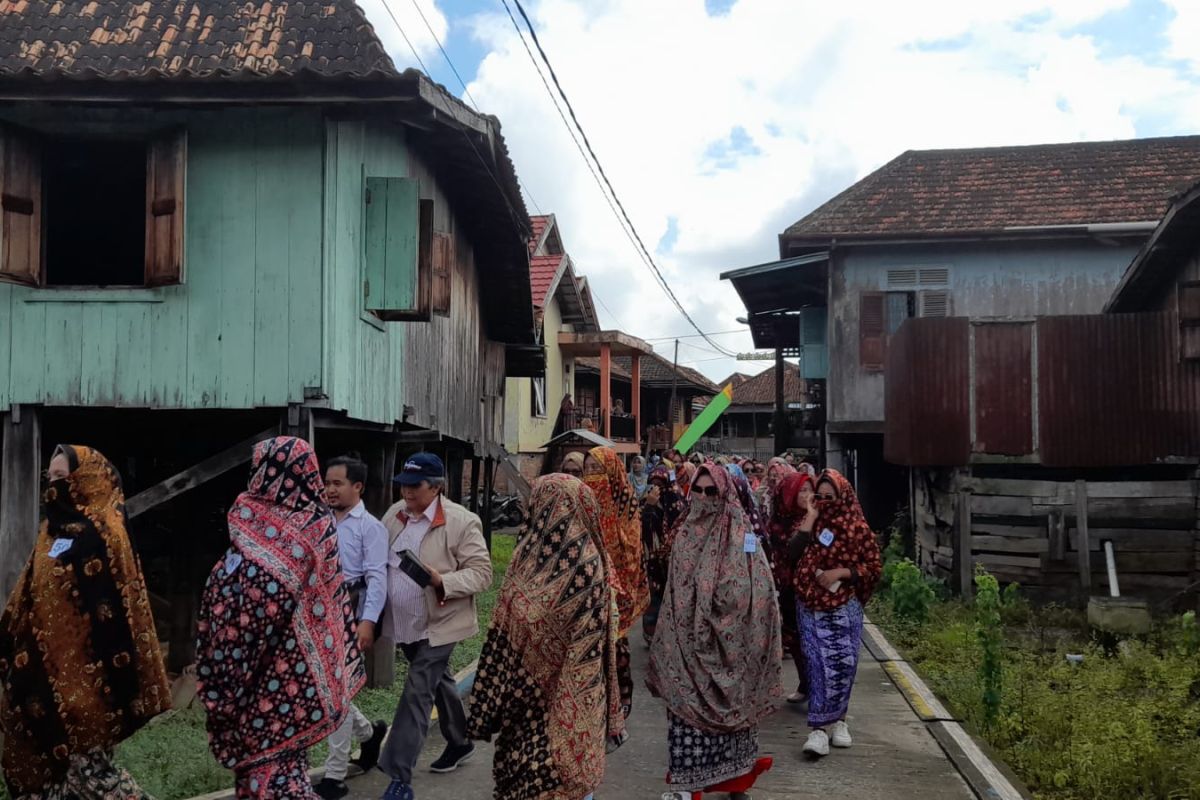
{"x": 910, "y": 594}
{"x": 989, "y": 630}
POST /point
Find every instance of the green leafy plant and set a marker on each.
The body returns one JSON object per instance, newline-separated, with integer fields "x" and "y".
{"x": 893, "y": 556}
{"x": 910, "y": 595}
{"x": 990, "y": 633}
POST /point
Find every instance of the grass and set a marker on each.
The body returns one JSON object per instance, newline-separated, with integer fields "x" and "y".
{"x": 170, "y": 757}
{"x": 1123, "y": 724}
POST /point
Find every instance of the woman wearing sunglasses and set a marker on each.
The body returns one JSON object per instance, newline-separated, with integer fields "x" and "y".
{"x": 833, "y": 579}
{"x": 715, "y": 660}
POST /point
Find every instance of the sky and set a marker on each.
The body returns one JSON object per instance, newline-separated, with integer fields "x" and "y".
{"x": 721, "y": 122}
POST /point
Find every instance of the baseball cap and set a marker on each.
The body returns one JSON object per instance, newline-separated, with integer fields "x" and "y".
{"x": 420, "y": 467}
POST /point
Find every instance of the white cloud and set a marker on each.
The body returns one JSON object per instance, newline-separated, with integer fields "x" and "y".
{"x": 408, "y": 13}
{"x": 824, "y": 92}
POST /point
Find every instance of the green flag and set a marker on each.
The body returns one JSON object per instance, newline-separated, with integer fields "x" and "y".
{"x": 708, "y": 416}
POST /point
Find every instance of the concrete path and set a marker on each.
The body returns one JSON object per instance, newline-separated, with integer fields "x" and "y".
{"x": 895, "y": 756}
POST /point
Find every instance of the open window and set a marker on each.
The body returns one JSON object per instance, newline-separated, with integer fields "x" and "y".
{"x": 880, "y": 315}
{"x": 400, "y": 251}
{"x": 443, "y": 269}
{"x": 91, "y": 212}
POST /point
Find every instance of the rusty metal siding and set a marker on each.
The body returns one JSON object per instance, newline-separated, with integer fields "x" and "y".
{"x": 1003, "y": 389}
{"x": 926, "y": 397}
{"x": 1112, "y": 391}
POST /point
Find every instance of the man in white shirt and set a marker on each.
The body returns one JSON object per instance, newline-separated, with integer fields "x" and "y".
{"x": 362, "y": 551}
{"x": 428, "y": 621}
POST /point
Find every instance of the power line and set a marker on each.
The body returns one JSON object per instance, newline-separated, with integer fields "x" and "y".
{"x": 696, "y": 335}
{"x": 463, "y": 83}
{"x": 639, "y": 245}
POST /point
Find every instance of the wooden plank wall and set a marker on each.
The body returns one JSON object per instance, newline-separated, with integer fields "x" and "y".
{"x": 1015, "y": 534}
{"x": 245, "y": 328}
{"x": 444, "y": 372}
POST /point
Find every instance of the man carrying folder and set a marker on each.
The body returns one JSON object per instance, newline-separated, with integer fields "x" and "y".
{"x": 437, "y": 563}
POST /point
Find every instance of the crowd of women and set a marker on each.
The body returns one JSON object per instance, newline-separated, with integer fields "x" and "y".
{"x": 727, "y": 564}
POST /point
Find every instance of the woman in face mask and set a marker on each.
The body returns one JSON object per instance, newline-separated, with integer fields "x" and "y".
{"x": 833, "y": 579}
{"x": 716, "y": 657}
{"x": 621, "y": 531}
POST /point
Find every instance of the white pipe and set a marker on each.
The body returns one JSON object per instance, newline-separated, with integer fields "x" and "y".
{"x": 1113, "y": 589}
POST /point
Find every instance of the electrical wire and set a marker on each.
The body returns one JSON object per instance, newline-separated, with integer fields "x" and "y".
{"x": 623, "y": 215}
{"x": 463, "y": 83}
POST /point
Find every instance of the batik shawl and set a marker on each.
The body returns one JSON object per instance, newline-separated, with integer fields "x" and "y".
{"x": 80, "y": 663}
{"x": 683, "y": 477}
{"x": 277, "y": 658}
{"x": 621, "y": 526}
{"x": 716, "y": 656}
{"x": 546, "y": 682}
{"x": 785, "y": 519}
{"x": 658, "y": 524}
{"x": 852, "y": 545}
{"x": 746, "y": 497}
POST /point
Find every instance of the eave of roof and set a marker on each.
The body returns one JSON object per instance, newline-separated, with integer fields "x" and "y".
{"x": 1176, "y": 237}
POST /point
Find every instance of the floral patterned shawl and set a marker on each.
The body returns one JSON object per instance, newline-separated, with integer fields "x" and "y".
{"x": 80, "y": 663}
{"x": 546, "y": 684}
{"x": 277, "y": 658}
{"x": 716, "y": 656}
{"x": 851, "y": 544}
{"x": 746, "y": 498}
{"x": 620, "y": 524}
{"x": 785, "y": 518}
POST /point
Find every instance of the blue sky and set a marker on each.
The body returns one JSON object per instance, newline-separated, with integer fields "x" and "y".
{"x": 723, "y": 121}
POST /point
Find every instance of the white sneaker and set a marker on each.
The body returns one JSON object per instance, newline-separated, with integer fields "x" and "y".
{"x": 817, "y": 744}
{"x": 840, "y": 737}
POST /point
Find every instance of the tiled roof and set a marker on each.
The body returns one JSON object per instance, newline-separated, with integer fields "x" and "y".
{"x": 539, "y": 225}
{"x": 593, "y": 365}
{"x": 987, "y": 190}
{"x": 188, "y": 39}
{"x": 737, "y": 379}
{"x": 760, "y": 390}
{"x": 656, "y": 373}
{"x": 542, "y": 270}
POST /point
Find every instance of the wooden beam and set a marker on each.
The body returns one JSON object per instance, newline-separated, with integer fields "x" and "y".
{"x": 966, "y": 566}
{"x": 195, "y": 475}
{"x": 1081, "y": 526}
{"x": 20, "y": 461}
{"x": 635, "y": 400}
{"x": 606, "y": 390}
{"x": 1058, "y": 536}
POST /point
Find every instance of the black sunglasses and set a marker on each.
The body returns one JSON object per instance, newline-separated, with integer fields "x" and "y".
{"x": 708, "y": 491}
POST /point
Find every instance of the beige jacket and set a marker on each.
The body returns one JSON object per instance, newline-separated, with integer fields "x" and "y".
{"x": 455, "y": 548}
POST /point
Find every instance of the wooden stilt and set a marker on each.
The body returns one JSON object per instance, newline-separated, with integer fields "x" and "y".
{"x": 20, "y": 462}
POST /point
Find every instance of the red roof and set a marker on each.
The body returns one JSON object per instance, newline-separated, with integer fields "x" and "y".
{"x": 987, "y": 190}
{"x": 760, "y": 390}
{"x": 542, "y": 270}
{"x": 539, "y": 225}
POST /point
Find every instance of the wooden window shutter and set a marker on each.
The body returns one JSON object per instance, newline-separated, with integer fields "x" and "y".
{"x": 396, "y": 249}
{"x": 443, "y": 269}
{"x": 1189, "y": 320}
{"x": 871, "y": 330}
{"x": 166, "y": 160}
{"x": 20, "y": 208}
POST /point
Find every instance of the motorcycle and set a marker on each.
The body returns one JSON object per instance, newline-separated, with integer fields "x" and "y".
{"x": 507, "y": 511}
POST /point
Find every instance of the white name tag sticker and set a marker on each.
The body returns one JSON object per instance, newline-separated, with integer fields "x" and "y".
{"x": 749, "y": 543}
{"x": 60, "y": 546}
{"x": 232, "y": 562}
{"x": 826, "y": 537}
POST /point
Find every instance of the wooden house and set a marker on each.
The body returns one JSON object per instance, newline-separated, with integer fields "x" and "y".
{"x": 1060, "y": 433}
{"x": 747, "y": 427}
{"x": 229, "y": 219}
{"x": 989, "y": 232}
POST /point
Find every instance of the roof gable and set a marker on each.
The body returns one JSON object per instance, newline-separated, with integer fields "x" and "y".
{"x": 997, "y": 189}
{"x": 175, "y": 40}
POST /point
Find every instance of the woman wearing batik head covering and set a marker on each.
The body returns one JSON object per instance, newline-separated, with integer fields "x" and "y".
{"x": 791, "y": 498}
{"x": 746, "y": 497}
{"x": 777, "y": 469}
{"x": 637, "y": 476}
{"x": 80, "y": 663}
{"x": 683, "y": 477}
{"x": 834, "y": 579}
{"x": 661, "y": 510}
{"x": 546, "y": 685}
{"x": 621, "y": 529}
{"x": 715, "y": 661}
{"x": 277, "y": 661}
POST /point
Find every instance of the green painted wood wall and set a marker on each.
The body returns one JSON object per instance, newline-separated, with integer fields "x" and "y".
{"x": 244, "y": 330}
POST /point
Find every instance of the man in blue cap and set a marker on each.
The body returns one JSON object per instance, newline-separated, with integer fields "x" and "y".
{"x": 437, "y": 562}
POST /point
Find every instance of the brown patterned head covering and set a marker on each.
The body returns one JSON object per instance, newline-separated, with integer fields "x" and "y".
{"x": 80, "y": 663}
{"x": 549, "y": 662}
{"x": 621, "y": 526}
{"x": 716, "y": 656}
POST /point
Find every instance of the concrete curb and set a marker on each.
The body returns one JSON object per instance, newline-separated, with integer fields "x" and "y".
{"x": 988, "y": 779}
{"x": 464, "y": 680}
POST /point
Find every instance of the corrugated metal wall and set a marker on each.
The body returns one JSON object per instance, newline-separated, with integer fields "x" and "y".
{"x": 927, "y": 403}
{"x": 1110, "y": 391}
